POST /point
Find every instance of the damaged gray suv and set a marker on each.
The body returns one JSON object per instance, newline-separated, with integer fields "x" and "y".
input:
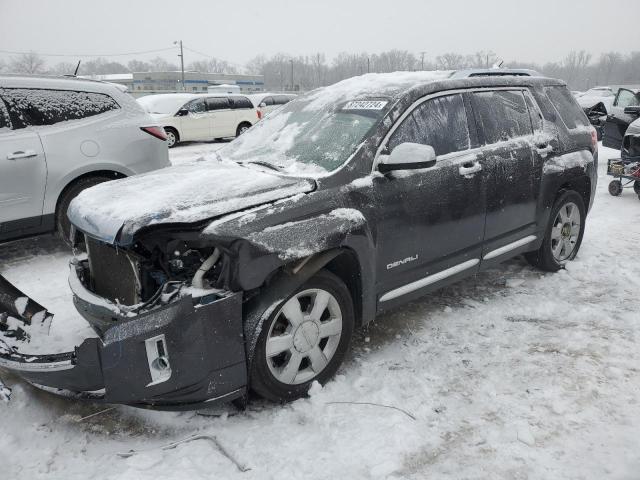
{"x": 249, "y": 270}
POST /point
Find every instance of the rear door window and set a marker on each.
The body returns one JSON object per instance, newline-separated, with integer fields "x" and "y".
{"x": 440, "y": 122}
{"x": 501, "y": 115}
{"x": 240, "y": 102}
{"x": 217, "y": 103}
{"x": 570, "y": 112}
{"x": 626, "y": 98}
{"x": 38, "y": 107}
{"x": 267, "y": 101}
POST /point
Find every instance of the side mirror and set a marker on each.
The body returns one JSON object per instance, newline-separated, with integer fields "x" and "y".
{"x": 408, "y": 156}
{"x": 262, "y": 105}
{"x": 183, "y": 112}
{"x": 633, "y": 110}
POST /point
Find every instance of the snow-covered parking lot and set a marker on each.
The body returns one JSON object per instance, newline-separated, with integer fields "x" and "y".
{"x": 513, "y": 374}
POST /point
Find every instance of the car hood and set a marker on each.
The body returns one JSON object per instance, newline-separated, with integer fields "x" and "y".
{"x": 205, "y": 189}
{"x": 590, "y": 101}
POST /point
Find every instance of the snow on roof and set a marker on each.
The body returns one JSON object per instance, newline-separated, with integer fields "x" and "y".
{"x": 372, "y": 85}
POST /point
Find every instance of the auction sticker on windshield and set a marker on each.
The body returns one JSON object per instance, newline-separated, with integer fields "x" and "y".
{"x": 365, "y": 105}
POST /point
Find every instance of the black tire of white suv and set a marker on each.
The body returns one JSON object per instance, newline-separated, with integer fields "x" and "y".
{"x": 63, "y": 225}
{"x": 303, "y": 339}
{"x": 563, "y": 236}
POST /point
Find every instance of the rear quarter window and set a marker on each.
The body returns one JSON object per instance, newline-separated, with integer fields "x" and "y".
{"x": 39, "y": 107}
{"x": 570, "y": 112}
{"x": 240, "y": 102}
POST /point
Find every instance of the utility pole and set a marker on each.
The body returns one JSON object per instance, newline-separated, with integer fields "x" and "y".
{"x": 368, "y": 65}
{"x": 291, "y": 74}
{"x": 184, "y": 88}
{"x": 422, "y": 60}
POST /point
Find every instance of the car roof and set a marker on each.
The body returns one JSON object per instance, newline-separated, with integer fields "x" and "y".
{"x": 398, "y": 84}
{"x": 55, "y": 82}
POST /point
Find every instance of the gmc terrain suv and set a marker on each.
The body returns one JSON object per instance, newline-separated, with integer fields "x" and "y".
{"x": 251, "y": 269}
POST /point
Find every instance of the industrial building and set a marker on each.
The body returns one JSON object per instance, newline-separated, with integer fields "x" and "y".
{"x": 147, "y": 83}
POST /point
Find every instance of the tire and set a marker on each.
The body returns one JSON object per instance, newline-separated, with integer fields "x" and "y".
{"x": 636, "y": 187}
{"x": 615, "y": 188}
{"x": 563, "y": 237}
{"x": 63, "y": 225}
{"x": 173, "y": 137}
{"x": 243, "y": 127}
{"x": 287, "y": 372}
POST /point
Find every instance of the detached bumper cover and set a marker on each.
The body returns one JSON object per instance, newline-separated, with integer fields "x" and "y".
{"x": 178, "y": 356}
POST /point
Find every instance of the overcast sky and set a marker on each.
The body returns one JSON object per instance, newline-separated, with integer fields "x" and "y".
{"x": 236, "y": 31}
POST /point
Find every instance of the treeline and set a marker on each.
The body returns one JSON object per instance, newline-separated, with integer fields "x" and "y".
{"x": 579, "y": 69}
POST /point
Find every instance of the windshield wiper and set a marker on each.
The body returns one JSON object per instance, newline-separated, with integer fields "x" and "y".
{"x": 265, "y": 164}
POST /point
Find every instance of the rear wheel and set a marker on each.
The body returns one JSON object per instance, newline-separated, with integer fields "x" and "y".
{"x": 563, "y": 235}
{"x": 636, "y": 187}
{"x": 172, "y": 137}
{"x": 303, "y": 340}
{"x": 615, "y": 188}
{"x": 63, "y": 225}
{"x": 243, "y": 127}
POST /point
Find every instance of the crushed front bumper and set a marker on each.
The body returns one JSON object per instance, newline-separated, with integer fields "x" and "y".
{"x": 186, "y": 354}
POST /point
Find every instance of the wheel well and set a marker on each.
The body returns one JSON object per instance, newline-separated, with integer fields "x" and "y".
{"x": 582, "y": 185}
{"x": 243, "y": 123}
{"x": 97, "y": 173}
{"x": 347, "y": 267}
{"x": 173, "y": 129}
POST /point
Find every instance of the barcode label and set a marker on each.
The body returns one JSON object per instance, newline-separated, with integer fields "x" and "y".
{"x": 365, "y": 105}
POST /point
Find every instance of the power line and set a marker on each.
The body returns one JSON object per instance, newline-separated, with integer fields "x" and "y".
{"x": 10, "y": 52}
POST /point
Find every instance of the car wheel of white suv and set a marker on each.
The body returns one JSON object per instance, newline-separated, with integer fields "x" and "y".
{"x": 63, "y": 225}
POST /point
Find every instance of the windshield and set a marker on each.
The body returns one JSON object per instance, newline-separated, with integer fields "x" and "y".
{"x": 165, "y": 104}
{"x": 302, "y": 138}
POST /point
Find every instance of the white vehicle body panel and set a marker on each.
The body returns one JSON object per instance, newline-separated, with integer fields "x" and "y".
{"x": 109, "y": 143}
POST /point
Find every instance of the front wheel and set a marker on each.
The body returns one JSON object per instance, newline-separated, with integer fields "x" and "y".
{"x": 172, "y": 137}
{"x": 303, "y": 340}
{"x": 243, "y": 127}
{"x": 563, "y": 235}
{"x": 636, "y": 187}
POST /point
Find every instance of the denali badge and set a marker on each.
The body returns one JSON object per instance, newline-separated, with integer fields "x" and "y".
{"x": 402, "y": 262}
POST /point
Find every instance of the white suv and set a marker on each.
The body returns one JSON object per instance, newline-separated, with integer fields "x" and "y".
{"x": 59, "y": 136}
{"x": 193, "y": 117}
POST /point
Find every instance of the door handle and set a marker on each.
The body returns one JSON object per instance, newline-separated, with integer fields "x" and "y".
{"x": 469, "y": 168}
{"x": 22, "y": 154}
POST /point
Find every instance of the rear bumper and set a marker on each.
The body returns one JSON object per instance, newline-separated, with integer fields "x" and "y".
{"x": 183, "y": 355}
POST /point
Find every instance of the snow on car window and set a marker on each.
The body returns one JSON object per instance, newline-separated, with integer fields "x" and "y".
{"x": 4, "y": 116}
{"x": 315, "y": 133}
{"x": 440, "y": 122}
{"x": 37, "y": 107}
{"x": 501, "y": 115}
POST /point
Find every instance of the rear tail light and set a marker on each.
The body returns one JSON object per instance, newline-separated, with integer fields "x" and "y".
{"x": 157, "y": 132}
{"x": 594, "y": 140}
{"x": 259, "y": 114}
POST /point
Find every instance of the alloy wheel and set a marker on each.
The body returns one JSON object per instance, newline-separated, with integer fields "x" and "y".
{"x": 565, "y": 232}
{"x": 304, "y": 336}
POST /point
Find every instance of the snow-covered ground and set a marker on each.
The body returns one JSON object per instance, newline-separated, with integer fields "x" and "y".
{"x": 513, "y": 374}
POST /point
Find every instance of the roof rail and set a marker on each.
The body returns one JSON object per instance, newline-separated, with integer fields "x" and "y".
{"x": 495, "y": 72}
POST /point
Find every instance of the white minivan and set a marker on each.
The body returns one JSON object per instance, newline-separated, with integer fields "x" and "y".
{"x": 61, "y": 135}
{"x": 200, "y": 117}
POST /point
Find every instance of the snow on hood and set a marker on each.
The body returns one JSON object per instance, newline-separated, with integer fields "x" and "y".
{"x": 186, "y": 193}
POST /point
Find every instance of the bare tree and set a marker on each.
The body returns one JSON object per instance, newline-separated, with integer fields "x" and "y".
{"x": 30, "y": 63}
